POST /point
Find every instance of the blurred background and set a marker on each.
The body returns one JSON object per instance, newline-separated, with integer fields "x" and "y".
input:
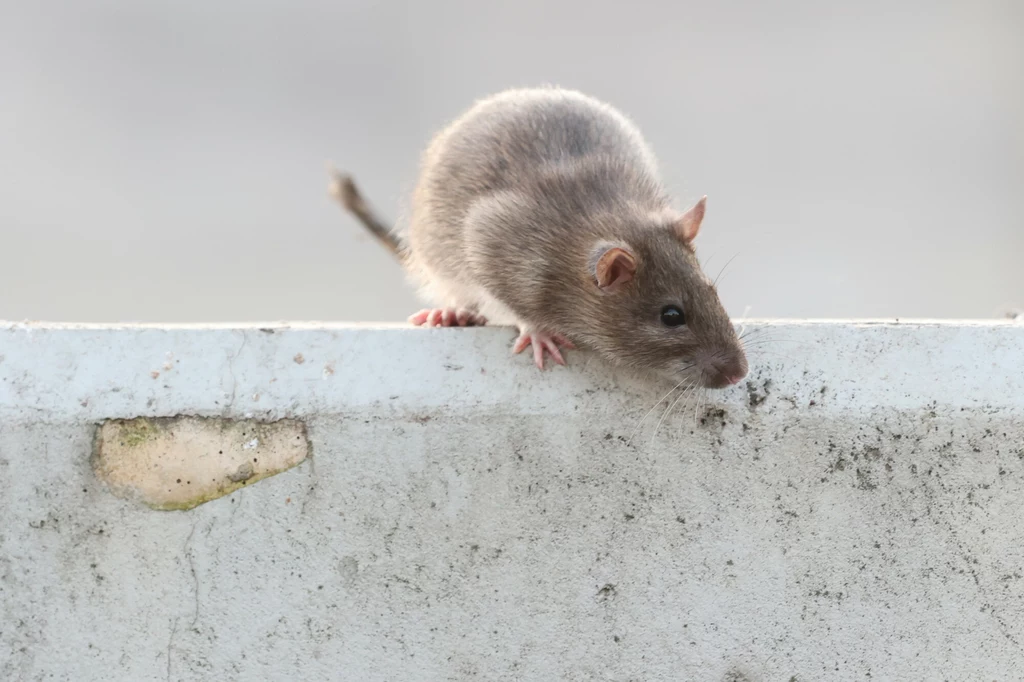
{"x": 164, "y": 160}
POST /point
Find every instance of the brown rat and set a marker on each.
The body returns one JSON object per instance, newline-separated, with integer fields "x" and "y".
{"x": 543, "y": 208}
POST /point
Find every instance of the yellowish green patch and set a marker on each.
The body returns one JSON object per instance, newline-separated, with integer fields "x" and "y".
{"x": 178, "y": 463}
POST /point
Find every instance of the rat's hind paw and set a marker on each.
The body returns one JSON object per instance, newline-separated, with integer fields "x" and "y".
{"x": 542, "y": 342}
{"x": 446, "y": 317}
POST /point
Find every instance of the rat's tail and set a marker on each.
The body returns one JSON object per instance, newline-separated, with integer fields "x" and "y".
{"x": 343, "y": 188}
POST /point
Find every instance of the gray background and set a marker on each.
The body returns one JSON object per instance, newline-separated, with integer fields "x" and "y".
{"x": 165, "y": 160}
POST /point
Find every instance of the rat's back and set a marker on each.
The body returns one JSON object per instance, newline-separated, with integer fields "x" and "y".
{"x": 505, "y": 141}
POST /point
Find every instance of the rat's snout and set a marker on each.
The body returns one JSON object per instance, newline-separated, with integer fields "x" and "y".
{"x": 723, "y": 369}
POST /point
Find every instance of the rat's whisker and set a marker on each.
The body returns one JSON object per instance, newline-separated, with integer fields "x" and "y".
{"x": 756, "y": 332}
{"x": 760, "y": 352}
{"x": 668, "y": 408}
{"x": 701, "y": 398}
{"x": 763, "y": 354}
{"x": 742, "y": 321}
{"x": 709, "y": 259}
{"x": 644, "y": 418}
{"x": 748, "y": 340}
{"x": 695, "y": 391}
{"x": 666, "y": 413}
{"x": 754, "y": 340}
{"x": 761, "y": 340}
{"x": 771, "y": 343}
{"x": 648, "y": 414}
{"x": 722, "y": 271}
{"x": 762, "y": 331}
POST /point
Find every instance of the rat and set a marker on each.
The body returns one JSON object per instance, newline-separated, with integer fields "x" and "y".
{"x": 543, "y": 208}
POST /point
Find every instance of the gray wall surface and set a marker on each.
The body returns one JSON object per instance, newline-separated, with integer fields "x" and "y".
{"x": 848, "y": 517}
{"x": 165, "y": 160}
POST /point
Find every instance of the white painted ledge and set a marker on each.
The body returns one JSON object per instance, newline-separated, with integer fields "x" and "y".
{"x": 853, "y": 508}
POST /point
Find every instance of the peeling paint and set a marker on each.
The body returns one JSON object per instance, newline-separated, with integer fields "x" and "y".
{"x": 178, "y": 463}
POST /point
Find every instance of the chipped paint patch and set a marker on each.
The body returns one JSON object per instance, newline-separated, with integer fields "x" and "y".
{"x": 179, "y": 463}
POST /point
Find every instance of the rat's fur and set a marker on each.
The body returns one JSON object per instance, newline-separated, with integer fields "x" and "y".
{"x": 517, "y": 200}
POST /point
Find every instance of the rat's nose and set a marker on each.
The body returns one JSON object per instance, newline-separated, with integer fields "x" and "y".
{"x": 725, "y": 371}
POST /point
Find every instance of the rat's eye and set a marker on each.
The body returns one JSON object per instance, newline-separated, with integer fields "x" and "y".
{"x": 672, "y": 316}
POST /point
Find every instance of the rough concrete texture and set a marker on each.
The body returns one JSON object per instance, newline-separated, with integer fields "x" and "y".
{"x": 851, "y": 512}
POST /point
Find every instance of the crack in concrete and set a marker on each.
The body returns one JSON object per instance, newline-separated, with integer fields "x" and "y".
{"x": 195, "y": 576}
{"x": 231, "y": 370}
{"x": 311, "y": 492}
{"x": 187, "y": 549}
{"x": 170, "y": 645}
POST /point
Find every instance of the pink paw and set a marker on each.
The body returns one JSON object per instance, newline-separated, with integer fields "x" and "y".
{"x": 446, "y": 317}
{"x": 542, "y": 342}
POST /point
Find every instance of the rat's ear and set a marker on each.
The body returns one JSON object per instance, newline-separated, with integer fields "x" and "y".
{"x": 688, "y": 225}
{"x": 612, "y": 266}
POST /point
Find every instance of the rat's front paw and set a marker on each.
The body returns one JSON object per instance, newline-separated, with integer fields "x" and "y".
{"x": 447, "y": 317}
{"x": 542, "y": 342}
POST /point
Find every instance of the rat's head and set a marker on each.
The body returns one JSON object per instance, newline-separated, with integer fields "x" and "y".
{"x": 659, "y": 309}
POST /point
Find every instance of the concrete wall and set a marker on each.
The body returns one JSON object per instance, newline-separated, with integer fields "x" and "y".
{"x": 851, "y": 511}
